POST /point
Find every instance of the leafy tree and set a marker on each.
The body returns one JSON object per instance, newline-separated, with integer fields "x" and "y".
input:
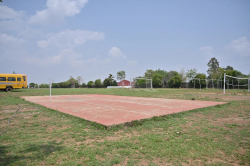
{"x": 110, "y": 78}
{"x": 141, "y": 83}
{"x": 213, "y": 67}
{"x": 44, "y": 86}
{"x": 229, "y": 68}
{"x": 149, "y": 73}
{"x": 121, "y": 75}
{"x": 83, "y": 84}
{"x": 1, "y": 1}
{"x": 106, "y": 82}
{"x": 114, "y": 83}
{"x": 202, "y": 78}
{"x": 161, "y": 72}
{"x": 55, "y": 85}
{"x": 175, "y": 82}
{"x": 157, "y": 80}
{"x": 98, "y": 83}
{"x": 90, "y": 84}
{"x": 191, "y": 73}
{"x": 171, "y": 74}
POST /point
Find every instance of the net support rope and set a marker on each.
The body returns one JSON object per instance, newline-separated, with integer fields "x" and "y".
{"x": 10, "y": 119}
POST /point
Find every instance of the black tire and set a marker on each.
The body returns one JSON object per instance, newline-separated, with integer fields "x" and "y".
{"x": 8, "y": 89}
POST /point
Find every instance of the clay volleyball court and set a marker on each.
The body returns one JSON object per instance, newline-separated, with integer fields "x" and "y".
{"x": 111, "y": 110}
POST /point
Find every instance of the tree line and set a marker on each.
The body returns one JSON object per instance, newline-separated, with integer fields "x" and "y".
{"x": 160, "y": 78}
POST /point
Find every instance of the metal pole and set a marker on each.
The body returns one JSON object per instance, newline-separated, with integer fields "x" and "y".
{"x": 206, "y": 83}
{"x": 194, "y": 84}
{"x": 233, "y": 83}
{"x": 50, "y": 89}
{"x": 224, "y": 83}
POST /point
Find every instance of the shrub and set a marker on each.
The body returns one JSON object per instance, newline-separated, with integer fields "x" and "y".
{"x": 175, "y": 82}
{"x": 106, "y": 82}
{"x": 98, "y": 83}
{"x": 114, "y": 83}
{"x": 157, "y": 80}
{"x": 90, "y": 84}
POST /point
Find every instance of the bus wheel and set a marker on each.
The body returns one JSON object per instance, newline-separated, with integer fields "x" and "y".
{"x": 8, "y": 89}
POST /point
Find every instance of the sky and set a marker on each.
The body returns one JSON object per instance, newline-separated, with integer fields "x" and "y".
{"x": 56, "y": 39}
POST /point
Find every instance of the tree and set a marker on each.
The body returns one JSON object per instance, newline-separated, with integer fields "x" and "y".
{"x": 79, "y": 80}
{"x": 114, "y": 83}
{"x": 141, "y": 83}
{"x": 183, "y": 75}
{"x": 106, "y": 82}
{"x": 111, "y": 78}
{"x": 202, "y": 78}
{"x": 149, "y": 73}
{"x": 121, "y": 75}
{"x": 229, "y": 68}
{"x": 161, "y": 72}
{"x": 213, "y": 66}
{"x": 171, "y": 74}
{"x": 175, "y": 82}
{"x": 90, "y": 84}
{"x": 83, "y": 85}
{"x": 98, "y": 83}
{"x": 1, "y": 1}
{"x": 191, "y": 73}
{"x": 157, "y": 80}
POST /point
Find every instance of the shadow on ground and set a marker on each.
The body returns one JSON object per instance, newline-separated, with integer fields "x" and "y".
{"x": 31, "y": 152}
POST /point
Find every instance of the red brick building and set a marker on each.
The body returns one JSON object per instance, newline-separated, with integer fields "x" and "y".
{"x": 125, "y": 83}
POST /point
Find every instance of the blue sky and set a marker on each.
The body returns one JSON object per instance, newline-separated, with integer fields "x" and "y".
{"x": 58, "y": 39}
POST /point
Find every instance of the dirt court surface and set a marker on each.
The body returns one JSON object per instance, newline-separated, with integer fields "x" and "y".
{"x": 111, "y": 110}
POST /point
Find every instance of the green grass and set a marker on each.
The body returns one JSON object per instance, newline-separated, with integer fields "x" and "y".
{"x": 218, "y": 135}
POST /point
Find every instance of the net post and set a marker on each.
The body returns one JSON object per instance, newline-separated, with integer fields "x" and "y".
{"x": 224, "y": 83}
{"x": 206, "y": 83}
{"x": 50, "y": 89}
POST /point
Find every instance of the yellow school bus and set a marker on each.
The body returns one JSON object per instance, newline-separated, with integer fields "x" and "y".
{"x": 9, "y": 82}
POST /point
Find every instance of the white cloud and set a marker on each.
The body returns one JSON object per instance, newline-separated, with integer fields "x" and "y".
{"x": 56, "y": 11}
{"x": 134, "y": 62}
{"x": 9, "y": 40}
{"x": 206, "y": 50}
{"x": 68, "y": 38}
{"x": 67, "y": 56}
{"x": 8, "y": 13}
{"x": 11, "y": 19}
{"x": 116, "y": 52}
{"x": 240, "y": 46}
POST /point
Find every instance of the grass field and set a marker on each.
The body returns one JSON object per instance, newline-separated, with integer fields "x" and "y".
{"x": 217, "y": 135}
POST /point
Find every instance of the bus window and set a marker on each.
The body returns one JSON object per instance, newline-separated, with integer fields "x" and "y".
{"x": 18, "y": 79}
{"x": 11, "y": 79}
{"x": 24, "y": 78}
{"x": 2, "y": 78}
